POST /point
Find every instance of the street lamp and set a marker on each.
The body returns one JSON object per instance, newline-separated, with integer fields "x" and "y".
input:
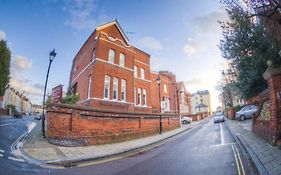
{"x": 159, "y": 82}
{"x": 51, "y": 58}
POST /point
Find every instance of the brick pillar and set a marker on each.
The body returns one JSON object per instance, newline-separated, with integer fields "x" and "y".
{"x": 273, "y": 77}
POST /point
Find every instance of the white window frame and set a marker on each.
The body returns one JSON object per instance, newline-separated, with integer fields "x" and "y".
{"x": 139, "y": 96}
{"x": 122, "y": 59}
{"x": 142, "y": 73}
{"x": 106, "y": 85}
{"x": 136, "y": 71}
{"x": 115, "y": 89}
{"x": 111, "y": 56}
{"x": 123, "y": 90}
{"x": 144, "y": 97}
{"x": 89, "y": 86}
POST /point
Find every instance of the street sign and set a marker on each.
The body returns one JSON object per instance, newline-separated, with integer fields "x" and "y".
{"x": 57, "y": 94}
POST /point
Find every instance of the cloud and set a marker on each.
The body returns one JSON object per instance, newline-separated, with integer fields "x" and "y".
{"x": 193, "y": 46}
{"x": 21, "y": 63}
{"x": 208, "y": 24}
{"x": 151, "y": 43}
{"x": 33, "y": 91}
{"x": 81, "y": 13}
{"x": 2, "y": 35}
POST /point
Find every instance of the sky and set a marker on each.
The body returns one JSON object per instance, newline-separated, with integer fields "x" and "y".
{"x": 180, "y": 35}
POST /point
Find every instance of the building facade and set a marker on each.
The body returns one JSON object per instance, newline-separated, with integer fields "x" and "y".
{"x": 17, "y": 99}
{"x": 168, "y": 92}
{"x": 201, "y": 102}
{"x": 183, "y": 98}
{"x": 109, "y": 73}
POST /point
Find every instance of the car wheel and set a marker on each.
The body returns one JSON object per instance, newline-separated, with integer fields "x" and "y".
{"x": 242, "y": 117}
{"x": 184, "y": 122}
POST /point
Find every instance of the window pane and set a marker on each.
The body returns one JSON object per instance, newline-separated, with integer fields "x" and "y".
{"x": 142, "y": 73}
{"x": 115, "y": 88}
{"x": 123, "y": 90}
{"x": 139, "y": 96}
{"x": 136, "y": 71}
{"x": 94, "y": 54}
{"x": 122, "y": 60}
{"x": 111, "y": 56}
{"x": 106, "y": 86}
{"x": 89, "y": 86}
{"x": 144, "y": 97}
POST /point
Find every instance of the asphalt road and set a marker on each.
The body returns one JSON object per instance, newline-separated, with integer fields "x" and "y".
{"x": 206, "y": 149}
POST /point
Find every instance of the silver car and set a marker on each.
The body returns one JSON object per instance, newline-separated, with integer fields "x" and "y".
{"x": 218, "y": 117}
{"x": 246, "y": 112}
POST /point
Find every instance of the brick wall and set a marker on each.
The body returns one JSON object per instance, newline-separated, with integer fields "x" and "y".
{"x": 77, "y": 125}
{"x": 270, "y": 127}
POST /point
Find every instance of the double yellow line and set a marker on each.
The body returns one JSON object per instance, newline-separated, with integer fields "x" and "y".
{"x": 238, "y": 160}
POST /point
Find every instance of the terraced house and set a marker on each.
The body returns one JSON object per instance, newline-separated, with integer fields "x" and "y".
{"x": 109, "y": 73}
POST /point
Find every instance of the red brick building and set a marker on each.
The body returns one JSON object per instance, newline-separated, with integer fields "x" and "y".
{"x": 109, "y": 73}
{"x": 183, "y": 99}
{"x": 168, "y": 92}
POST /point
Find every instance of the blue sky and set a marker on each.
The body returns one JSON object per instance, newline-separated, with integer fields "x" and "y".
{"x": 180, "y": 35}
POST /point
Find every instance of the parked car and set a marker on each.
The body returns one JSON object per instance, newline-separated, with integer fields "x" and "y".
{"x": 246, "y": 112}
{"x": 186, "y": 120}
{"x": 218, "y": 117}
{"x": 17, "y": 114}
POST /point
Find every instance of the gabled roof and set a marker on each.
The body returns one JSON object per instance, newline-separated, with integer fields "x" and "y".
{"x": 181, "y": 86}
{"x": 201, "y": 105}
{"x": 115, "y": 22}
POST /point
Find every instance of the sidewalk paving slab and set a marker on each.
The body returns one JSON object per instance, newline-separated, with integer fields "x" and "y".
{"x": 37, "y": 148}
{"x": 266, "y": 158}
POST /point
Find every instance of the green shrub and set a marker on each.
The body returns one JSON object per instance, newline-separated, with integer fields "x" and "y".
{"x": 71, "y": 99}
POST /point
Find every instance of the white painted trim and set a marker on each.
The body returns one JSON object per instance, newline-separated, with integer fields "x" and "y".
{"x": 143, "y": 79}
{"x": 98, "y": 59}
{"x": 117, "y": 45}
{"x": 142, "y": 62}
{"x": 143, "y": 106}
{"x": 112, "y": 23}
{"x": 83, "y": 70}
{"x": 116, "y": 39}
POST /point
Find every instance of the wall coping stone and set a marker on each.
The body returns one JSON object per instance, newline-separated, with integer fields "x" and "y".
{"x": 271, "y": 71}
{"x": 90, "y": 109}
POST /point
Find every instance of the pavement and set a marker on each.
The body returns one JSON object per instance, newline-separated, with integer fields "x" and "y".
{"x": 266, "y": 158}
{"x": 36, "y": 149}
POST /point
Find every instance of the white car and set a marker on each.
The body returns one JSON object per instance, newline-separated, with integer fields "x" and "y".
{"x": 186, "y": 120}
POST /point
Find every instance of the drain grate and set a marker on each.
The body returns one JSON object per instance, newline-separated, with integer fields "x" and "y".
{"x": 70, "y": 165}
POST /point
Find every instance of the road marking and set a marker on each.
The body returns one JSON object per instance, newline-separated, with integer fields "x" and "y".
{"x": 16, "y": 159}
{"x": 1, "y": 155}
{"x": 6, "y": 124}
{"x": 222, "y": 139}
{"x": 226, "y": 144}
{"x": 239, "y": 158}
{"x": 2, "y": 151}
{"x": 237, "y": 163}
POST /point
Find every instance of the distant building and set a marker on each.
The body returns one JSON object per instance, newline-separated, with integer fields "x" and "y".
{"x": 201, "y": 102}
{"x": 183, "y": 98}
{"x": 37, "y": 109}
{"x": 168, "y": 92}
{"x": 17, "y": 99}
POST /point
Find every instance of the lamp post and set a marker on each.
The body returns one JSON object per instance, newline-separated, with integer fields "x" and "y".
{"x": 51, "y": 58}
{"x": 160, "y": 121}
